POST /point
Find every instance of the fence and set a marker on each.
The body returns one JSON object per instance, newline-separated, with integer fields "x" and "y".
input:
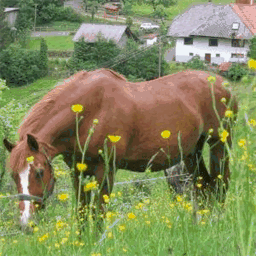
{"x": 57, "y": 28}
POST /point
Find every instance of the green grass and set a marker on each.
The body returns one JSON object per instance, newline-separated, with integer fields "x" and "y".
{"x": 162, "y": 224}
{"x": 145, "y": 10}
{"x": 54, "y": 43}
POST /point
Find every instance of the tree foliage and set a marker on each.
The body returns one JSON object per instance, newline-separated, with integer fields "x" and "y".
{"x": 236, "y": 72}
{"x": 5, "y": 32}
{"x": 43, "y": 58}
{"x": 252, "y": 48}
{"x": 19, "y": 66}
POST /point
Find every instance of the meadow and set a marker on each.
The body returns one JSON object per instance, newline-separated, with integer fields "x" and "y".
{"x": 142, "y": 219}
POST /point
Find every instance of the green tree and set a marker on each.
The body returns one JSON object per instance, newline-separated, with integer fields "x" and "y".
{"x": 252, "y": 48}
{"x": 10, "y": 3}
{"x": 129, "y": 22}
{"x": 160, "y": 13}
{"x": 5, "y": 32}
{"x": 43, "y": 58}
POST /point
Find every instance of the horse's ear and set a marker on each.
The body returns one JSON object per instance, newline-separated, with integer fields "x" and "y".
{"x": 9, "y": 146}
{"x": 32, "y": 143}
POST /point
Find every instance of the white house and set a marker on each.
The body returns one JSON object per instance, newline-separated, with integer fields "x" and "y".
{"x": 217, "y": 33}
{"x": 151, "y": 39}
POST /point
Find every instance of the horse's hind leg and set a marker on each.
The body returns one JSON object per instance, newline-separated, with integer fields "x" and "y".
{"x": 219, "y": 165}
{"x": 195, "y": 164}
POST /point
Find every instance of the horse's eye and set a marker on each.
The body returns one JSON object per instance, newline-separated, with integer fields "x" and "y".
{"x": 39, "y": 173}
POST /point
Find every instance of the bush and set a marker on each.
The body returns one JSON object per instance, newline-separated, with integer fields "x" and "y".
{"x": 43, "y": 62}
{"x": 236, "y": 72}
{"x": 196, "y": 63}
{"x": 67, "y": 14}
{"x": 19, "y": 66}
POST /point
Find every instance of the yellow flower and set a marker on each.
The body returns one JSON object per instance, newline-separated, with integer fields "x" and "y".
{"x": 15, "y": 241}
{"x": 110, "y": 235}
{"x": 77, "y": 108}
{"x": 131, "y": 215}
{"x": 121, "y": 227}
{"x": 30, "y": 159}
{"x": 241, "y": 143}
{"x": 165, "y": 134}
{"x": 63, "y": 197}
{"x": 211, "y": 79}
{"x": 112, "y": 195}
{"x": 223, "y": 135}
{"x": 223, "y": 100}
{"x": 252, "y": 64}
{"x": 252, "y": 122}
{"x": 199, "y": 185}
{"x": 57, "y": 245}
{"x": 60, "y": 225}
{"x": 106, "y": 198}
{"x": 210, "y": 131}
{"x": 225, "y": 84}
{"x": 139, "y": 206}
{"x": 64, "y": 240}
{"x": 100, "y": 151}
{"x": 91, "y": 186}
{"x": 124, "y": 250}
{"x": 147, "y": 222}
{"x": 81, "y": 167}
{"x": 244, "y": 156}
{"x": 114, "y": 138}
{"x": 219, "y": 176}
{"x": 179, "y": 198}
{"x": 95, "y": 121}
{"x": 43, "y": 238}
{"x": 229, "y": 113}
{"x": 119, "y": 193}
{"x": 35, "y": 229}
{"x": 200, "y": 178}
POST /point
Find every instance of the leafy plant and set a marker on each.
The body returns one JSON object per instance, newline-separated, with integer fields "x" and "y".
{"x": 236, "y": 72}
{"x": 196, "y": 63}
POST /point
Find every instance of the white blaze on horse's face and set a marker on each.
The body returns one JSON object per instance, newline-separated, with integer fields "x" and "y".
{"x": 24, "y": 182}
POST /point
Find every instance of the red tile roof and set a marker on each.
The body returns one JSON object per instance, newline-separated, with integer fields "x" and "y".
{"x": 247, "y": 14}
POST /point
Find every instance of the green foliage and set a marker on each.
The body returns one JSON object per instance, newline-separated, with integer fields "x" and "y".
{"x": 160, "y": 12}
{"x": 19, "y": 66}
{"x": 43, "y": 62}
{"x": 196, "y": 63}
{"x": 142, "y": 63}
{"x": 10, "y": 3}
{"x": 5, "y": 32}
{"x": 236, "y": 72}
{"x": 67, "y": 14}
{"x": 127, "y": 9}
{"x": 93, "y": 55}
{"x": 129, "y": 22}
{"x": 252, "y": 52}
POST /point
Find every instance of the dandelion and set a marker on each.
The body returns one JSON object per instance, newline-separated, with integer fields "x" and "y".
{"x": 139, "y": 206}
{"x": 165, "y": 134}
{"x": 35, "y": 229}
{"x": 229, "y": 113}
{"x": 223, "y": 135}
{"x": 241, "y": 143}
{"x": 106, "y": 199}
{"x": 121, "y": 227}
{"x": 110, "y": 215}
{"x": 225, "y": 84}
{"x": 219, "y": 176}
{"x": 119, "y": 193}
{"x": 211, "y": 79}
{"x": 252, "y": 64}
{"x": 30, "y": 159}
{"x": 81, "y": 167}
{"x": 91, "y": 186}
{"x": 60, "y": 225}
{"x": 100, "y": 151}
{"x": 112, "y": 195}
{"x": 210, "y": 131}
{"x": 114, "y": 138}
{"x": 252, "y": 122}
{"x": 110, "y": 235}
{"x": 77, "y": 108}
{"x": 131, "y": 215}
{"x": 43, "y": 238}
{"x": 63, "y": 197}
{"x": 57, "y": 245}
{"x": 95, "y": 121}
{"x": 199, "y": 185}
{"x": 223, "y": 100}
{"x": 15, "y": 241}
{"x": 179, "y": 198}
{"x": 124, "y": 250}
{"x": 147, "y": 222}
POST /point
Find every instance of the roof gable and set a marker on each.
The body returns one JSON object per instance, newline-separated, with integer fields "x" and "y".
{"x": 90, "y": 32}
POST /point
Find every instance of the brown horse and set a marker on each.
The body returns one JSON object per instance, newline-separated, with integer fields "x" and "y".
{"x": 138, "y": 112}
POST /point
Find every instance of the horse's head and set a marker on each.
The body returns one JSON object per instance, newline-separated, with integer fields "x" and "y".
{"x": 32, "y": 173}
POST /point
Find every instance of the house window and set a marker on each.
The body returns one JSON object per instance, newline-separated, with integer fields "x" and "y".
{"x": 188, "y": 40}
{"x": 191, "y": 54}
{"x": 237, "y": 43}
{"x": 237, "y": 55}
{"x": 217, "y": 55}
{"x": 213, "y": 42}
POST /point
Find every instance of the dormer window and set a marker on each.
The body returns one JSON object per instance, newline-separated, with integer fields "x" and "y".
{"x": 235, "y": 25}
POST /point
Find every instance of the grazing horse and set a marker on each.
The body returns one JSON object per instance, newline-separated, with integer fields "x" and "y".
{"x": 138, "y": 112}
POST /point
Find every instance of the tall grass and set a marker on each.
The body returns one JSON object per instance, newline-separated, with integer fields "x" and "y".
{"x": 151, "y": 220}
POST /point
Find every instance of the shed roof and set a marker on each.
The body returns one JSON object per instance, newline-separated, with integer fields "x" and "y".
{"x": 208, "y": 20}
{"x": 90, "y": 31}
{"x": 10, "y": 9}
